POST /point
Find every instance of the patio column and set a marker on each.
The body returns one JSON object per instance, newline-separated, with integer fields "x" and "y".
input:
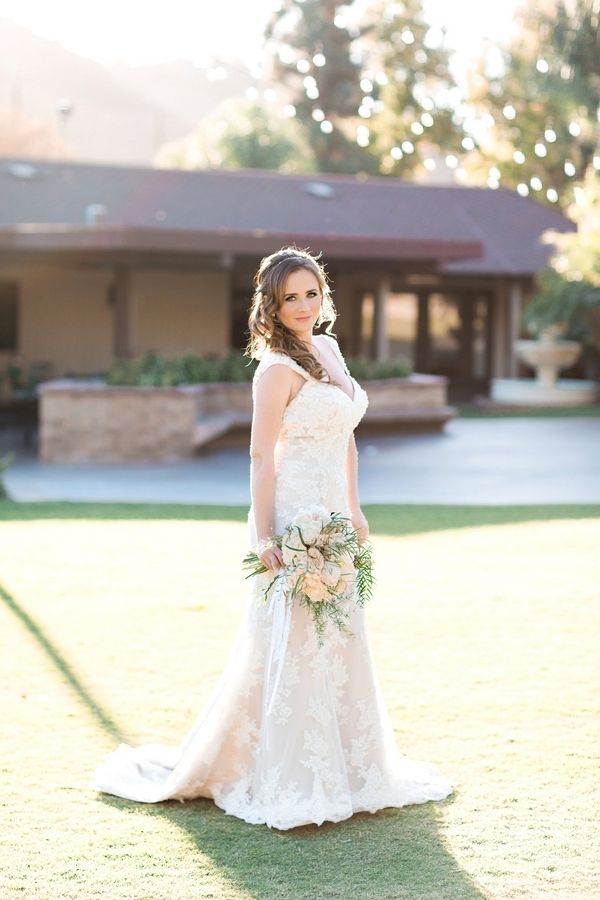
{"x": 122, "y": 314}
{"x": 515, "y": 305}
{"x": 499, "y": 330}
{"x": 380, "y": 324}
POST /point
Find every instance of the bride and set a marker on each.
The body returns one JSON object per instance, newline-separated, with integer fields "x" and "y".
{"x": 317, "y": 745}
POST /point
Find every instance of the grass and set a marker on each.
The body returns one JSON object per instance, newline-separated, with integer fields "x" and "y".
{"x": 471, "y": 411}
{"x": 116, "y": 621}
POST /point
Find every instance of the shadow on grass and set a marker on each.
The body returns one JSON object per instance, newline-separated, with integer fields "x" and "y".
{"x": 101, "y": 717}
{"x": 395, "y": 853}
{"x": 391, "y": 520}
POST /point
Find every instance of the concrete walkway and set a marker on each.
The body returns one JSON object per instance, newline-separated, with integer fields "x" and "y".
{"x": 474, "y": 461}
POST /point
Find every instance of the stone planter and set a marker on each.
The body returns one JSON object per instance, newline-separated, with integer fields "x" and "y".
{"x": 89, "y": 421}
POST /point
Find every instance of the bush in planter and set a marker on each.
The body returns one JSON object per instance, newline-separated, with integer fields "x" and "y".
{"x": 154, "y": 370}
{"x": 24, "y": 380}
{"x": 365, "y": 369}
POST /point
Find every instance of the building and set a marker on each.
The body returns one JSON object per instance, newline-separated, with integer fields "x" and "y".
{"x": 100, "y": 261}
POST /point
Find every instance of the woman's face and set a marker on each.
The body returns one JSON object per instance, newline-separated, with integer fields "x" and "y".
{"x": 301, "y": 303}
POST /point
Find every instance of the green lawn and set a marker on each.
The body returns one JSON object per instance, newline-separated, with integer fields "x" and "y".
{"x": 470, "y": 411}
{"x": 116, "y": 621}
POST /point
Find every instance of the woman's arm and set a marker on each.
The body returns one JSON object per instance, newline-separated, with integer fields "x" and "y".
{"x": 271, "y": 395}
{"x": 359, "y": 520}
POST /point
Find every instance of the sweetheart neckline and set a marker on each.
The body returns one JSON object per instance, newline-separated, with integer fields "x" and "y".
{"x": 312, "y": 380}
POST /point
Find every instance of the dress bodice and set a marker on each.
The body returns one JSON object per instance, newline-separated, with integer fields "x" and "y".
{"x": 310, "y": 452}
{"x": 319, "y": 410}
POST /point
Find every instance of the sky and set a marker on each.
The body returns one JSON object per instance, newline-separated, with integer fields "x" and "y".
{"x": 201, "y": 30}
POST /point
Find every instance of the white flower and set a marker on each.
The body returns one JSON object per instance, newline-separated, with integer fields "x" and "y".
{"x": 315, "y": 559}
{"x": 293, "y": 552}
{"x": 309, "y": 523}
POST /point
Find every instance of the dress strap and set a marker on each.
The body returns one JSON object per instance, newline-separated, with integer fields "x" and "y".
{"x": 276, "y": 357}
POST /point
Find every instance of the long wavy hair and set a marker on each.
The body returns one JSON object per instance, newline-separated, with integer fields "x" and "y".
{"x": 266, "y": 330}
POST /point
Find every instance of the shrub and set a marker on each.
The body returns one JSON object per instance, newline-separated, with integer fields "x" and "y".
{"x": 154, "y": 370}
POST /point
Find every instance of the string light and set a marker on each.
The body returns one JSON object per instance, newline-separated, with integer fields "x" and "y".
{"x": 396, "y": 153}
{"x": 552, "y": 195}
{"x": 468, "y": 143}
{"x": 596, "y": 162}
{"x": 417, "y": 128}
{"x": 366, "y": 85}
{"x": 542, "y": 66}
{"x": 319, "y": 59}
{"x": 303, "y": 66}
{"x": 519, "y": 157}
{"x": 509, "y": 112}
{"x": 407, "y": 36}
{"x": 550, "y": 135}
{"x": 326, "y": 126}
{"x": 408, "y": 146}
{"x": 536, "y": 183}
{"x": 289, "y": 111}
{"x": 451, "y": 161}
{"x": 570, "y": 169}
{"x": 318, "y": 115}
{"x": 574, "y": 129}
{"x": 540, "y": 150}
{"x": 522, "y": 189}
{"x": 429, "y": 164}
{"x": 427, "y": 119}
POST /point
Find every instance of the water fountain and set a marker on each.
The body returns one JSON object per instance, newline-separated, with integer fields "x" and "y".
{"x": 547, "y": 356}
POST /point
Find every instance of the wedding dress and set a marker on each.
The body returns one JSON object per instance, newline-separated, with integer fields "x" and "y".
{"x": 314, "y": 744}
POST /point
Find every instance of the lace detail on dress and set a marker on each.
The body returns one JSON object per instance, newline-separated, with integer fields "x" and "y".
{"x": 324, "y": 748}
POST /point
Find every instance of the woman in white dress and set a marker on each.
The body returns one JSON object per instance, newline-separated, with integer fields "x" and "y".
{"x": 314, "y": 742}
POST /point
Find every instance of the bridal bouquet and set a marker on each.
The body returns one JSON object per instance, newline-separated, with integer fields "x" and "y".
{"x": 323, "y": 566}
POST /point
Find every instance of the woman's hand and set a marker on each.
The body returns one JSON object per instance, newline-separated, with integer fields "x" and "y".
{"x": 271, "y": 556}
{"x": 361, "y": 526}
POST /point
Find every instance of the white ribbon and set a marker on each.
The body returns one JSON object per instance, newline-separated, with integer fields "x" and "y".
{"x": 280, "y": 612}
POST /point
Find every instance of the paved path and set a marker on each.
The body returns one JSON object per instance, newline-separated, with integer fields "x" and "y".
{"x": 474, "y": 461}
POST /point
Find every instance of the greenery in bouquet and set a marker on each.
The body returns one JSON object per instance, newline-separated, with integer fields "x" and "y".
{"x": 324, "y": 566}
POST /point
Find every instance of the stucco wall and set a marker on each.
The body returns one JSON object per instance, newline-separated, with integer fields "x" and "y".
{"x": 181, "y": 311}
{"x": 65, "y": 317}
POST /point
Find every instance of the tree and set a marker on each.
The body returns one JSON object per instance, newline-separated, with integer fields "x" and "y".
{"x": 570, "y": 287}
{"x": 534, "y": 116}
{"x": 310, "y": 46}
{"x": 410, "y": 93}
{"x": 240, "y": 135}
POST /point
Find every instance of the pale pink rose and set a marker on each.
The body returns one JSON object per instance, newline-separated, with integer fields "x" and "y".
{"x": 315, "y": 588}
{"x": 330, "y": 573}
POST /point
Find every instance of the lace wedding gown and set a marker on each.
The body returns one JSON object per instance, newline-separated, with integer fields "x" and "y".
{"x": 314, "y": 743}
